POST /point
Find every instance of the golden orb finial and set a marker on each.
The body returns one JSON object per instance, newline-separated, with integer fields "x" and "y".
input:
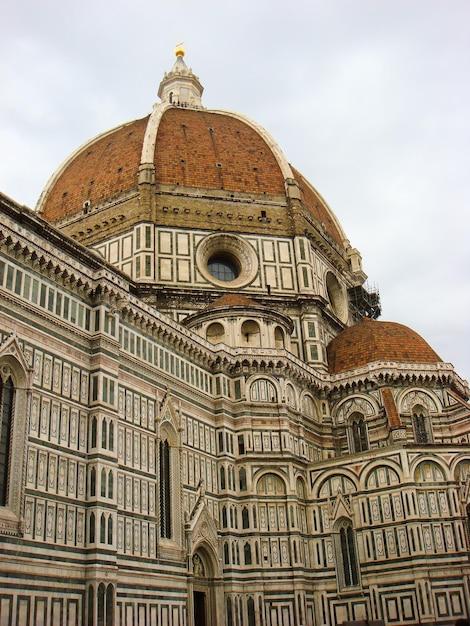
{"x": 179, "y": 50}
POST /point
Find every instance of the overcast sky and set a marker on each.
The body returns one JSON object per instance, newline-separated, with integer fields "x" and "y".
{"x": 369, "y": 99}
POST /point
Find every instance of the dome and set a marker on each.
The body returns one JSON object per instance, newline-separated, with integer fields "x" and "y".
{"x": 185, "y": 150}
{"x": 371, "y": 341}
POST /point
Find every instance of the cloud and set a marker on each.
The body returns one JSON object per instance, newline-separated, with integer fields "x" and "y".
{"x": 369, "y": 100}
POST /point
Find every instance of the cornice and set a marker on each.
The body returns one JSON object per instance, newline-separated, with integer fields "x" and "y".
{"x": 382, "y": 373}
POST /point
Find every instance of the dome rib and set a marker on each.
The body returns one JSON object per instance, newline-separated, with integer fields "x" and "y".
{"x": 187, "y": 146}
{"x": 317, "y": 206}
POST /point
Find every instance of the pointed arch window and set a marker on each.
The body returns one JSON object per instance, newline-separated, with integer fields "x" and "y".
{"x": 110, "y": 530}
{"x": 15, "y": 385}
{"x": 110, "y": 485}
{"x": 245, "y": 518}
{"x": 251, "y": 612}
{"x": 165, "y": 496}
{"x": 421, "y": 425}
{"x": 91, "y": 531}
{"x": 103, "y": 528}
{"x": 7, "y": 395}
{"x": 103, "y": 483}
{"x": 468, "y": 524}
{"x": 347, "y": 563}
{"x": 110, "y": 605}
{"x": 94, "y": 428}
{"x": 170, "y": 529}
{"x": 242, "y": 477}
{"x": 104, "y": 433}
{"x": 247, "y": 553}
{"x": 92, "y": 481}
{"x": 359, "y": 439}
{"x": 111, "y": 436}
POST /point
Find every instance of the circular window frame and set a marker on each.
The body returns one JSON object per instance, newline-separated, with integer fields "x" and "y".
{"x": 236, "y": 249}
{"x": 336, "y": 296}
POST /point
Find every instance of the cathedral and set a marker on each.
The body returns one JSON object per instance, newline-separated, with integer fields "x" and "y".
{"x": 203, "y": 420}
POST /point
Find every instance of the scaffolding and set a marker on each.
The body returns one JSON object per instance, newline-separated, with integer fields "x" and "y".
{"x": 364, "y": 301}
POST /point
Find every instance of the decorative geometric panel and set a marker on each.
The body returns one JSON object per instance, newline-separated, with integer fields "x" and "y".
{"x": 429, "y": 472}
{"x": 359, "y": 405}
{"x": 335, "y": 484}
{"x": 413, "y": 398}
{"x": 263, "y": 390}
{"x": 271, "y": 484}
{"x": 382, "y": 476}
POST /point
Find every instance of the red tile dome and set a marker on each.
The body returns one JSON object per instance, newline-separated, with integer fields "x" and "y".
{"x": 206, "y": 152}
{"x": 371, "y": 341}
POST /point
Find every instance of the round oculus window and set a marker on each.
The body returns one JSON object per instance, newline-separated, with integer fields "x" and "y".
{"x": 223, "y": 267}
{"x": 227, "y": 260}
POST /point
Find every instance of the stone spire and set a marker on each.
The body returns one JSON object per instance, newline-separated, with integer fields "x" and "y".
{"x": 180, "y": 86}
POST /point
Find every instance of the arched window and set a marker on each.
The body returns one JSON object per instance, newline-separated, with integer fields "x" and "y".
{"x": 226, "y": 554}
{"x": 103, "y": 483}
{"x": 421, "y": 425}
{"x": 7, "y": 395}
{"x": 235, "y": 517}
{"x": 111, "y": 436}
{"x": 247, "y": 553}
{"x": 93, "y": 482}
{"x": 94, "y": 427}
{"x": 263, "y": 390}
{"x": 91, "y": 528}
{"x": 215, "y": 332}
{"x": 103, "y": 528}
{"x": 222, "y": 478}
{"x": 290, "y": 396}
{"x": 242, "y": 477}
{"x": 358, "y": 433}
{"x": 15, "y": 385}
{"x": 169, "y": 477}
{"x": 308, "y": 406}
{"x": 250, "y": 334}
{"x": 104, "y": 433}
{"x": 251, "y": 612}
{"x": 279, "y": 338}
{"x": 224, "y": 517}
{"x": 91, "y": 605}
{"x": 235, "y": 553}
{"x": 110, "y": 530}
{"x": 229, "y": 611}
{"x": 468, "y": 524}
{"x": 165, "y": 499}
{"x": 110, "y": 605}
{"x": 348, "y": 568}
{"x": 245, "y": 518}
{"x": 110, "y": 485}
{"x": 271, "y": 485}
{"x": 101, "y": 604}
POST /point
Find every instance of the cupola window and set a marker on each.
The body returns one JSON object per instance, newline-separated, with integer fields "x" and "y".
{"x": 359, "y": 441}
{"x": 421, "y": 425}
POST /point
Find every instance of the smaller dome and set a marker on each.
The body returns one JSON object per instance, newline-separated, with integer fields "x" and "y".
{"x": 230, "y": 300}
{"x": 371, "y": 341}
